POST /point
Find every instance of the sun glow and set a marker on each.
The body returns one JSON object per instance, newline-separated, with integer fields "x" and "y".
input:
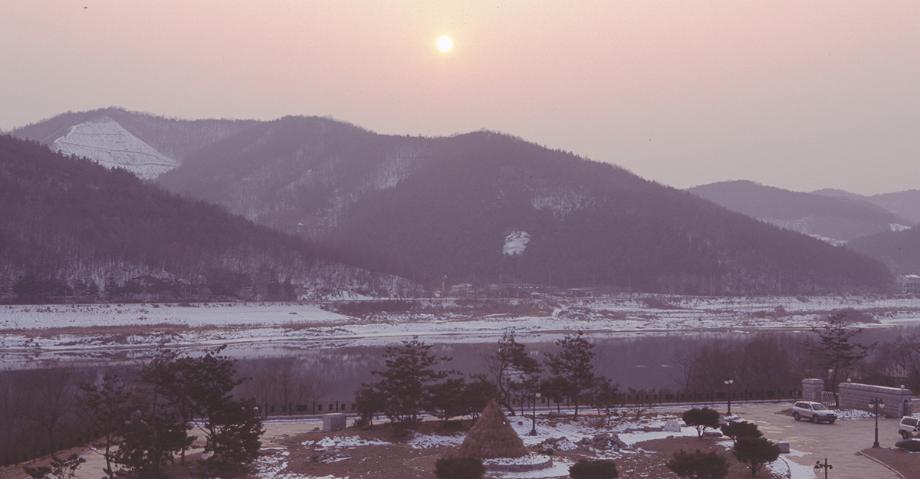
{"x": 444, "y": 44}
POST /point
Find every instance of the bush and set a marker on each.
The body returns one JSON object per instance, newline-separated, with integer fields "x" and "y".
{"x": 699, "y": 465}
{"x": 459, "y": 468}
{"x": 740, "y": 429}
{"x": 701, "y": 419}
{"x": 596, "y": 469}
{"x": 755, "y": 452}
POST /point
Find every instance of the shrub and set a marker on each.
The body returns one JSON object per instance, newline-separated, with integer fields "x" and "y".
{"x": 740, "y": 429}
{"x": 459, "y": 468}
{"x": 755, "y": 452}
{"x": 701, "y": 419}
{"x": 595, "y": 469}
{"x": 699, "y": 465}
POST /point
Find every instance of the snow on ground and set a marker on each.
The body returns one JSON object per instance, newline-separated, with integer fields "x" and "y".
{"x": 344, "y": 442}
{"x": 559, "y": 469}
{"x": 428, "y": 441}
{"x": 791, "y": 469}
{"x": 633, "y": 438}
{"x": 106, "y": 142}
{"x": 850, "y": 414}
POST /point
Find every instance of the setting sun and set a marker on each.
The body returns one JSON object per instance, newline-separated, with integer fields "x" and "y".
{"x": 444, "y": 44}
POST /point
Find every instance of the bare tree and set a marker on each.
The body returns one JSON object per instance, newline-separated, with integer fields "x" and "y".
{"x": 837, "y": 351}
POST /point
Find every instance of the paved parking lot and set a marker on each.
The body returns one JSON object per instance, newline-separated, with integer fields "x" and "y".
{"x": 839, "y": 442}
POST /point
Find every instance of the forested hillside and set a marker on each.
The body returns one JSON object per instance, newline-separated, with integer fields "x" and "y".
{"x": 486, "y": 207}
{"x": 72, "y": 230}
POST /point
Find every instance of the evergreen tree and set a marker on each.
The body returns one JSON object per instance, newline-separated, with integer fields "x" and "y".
{"x": 515, "y": 372}
{"x": 573, "y": 366}
{"x": 447, "y": 399}
{"x": 755, "y": 452}
{"x": 738, "y": 429}
{"x": 701, "y": 419}
{"x": 406, "y": 380}
{"x": 699, "y": 465}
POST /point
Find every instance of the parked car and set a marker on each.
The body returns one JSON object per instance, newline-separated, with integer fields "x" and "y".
{"x": 909, "y": 427}
{"x": 813, "y": 411}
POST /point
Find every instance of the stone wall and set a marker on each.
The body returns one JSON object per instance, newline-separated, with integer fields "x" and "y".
{"x": 811, "y": 389}
{"x": 857, "y": 396}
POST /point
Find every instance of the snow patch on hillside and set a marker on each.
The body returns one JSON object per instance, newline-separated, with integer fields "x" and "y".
{"x": 895, "y": 227}
{"x": 393, "y": 170}
{"x": 516, "y": 243}
{"x": 560, "y": 203}
{"x": 106, "y": 142}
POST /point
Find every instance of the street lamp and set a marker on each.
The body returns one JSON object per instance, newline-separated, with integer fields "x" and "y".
{"x": 533, "y": 416}
{"x": 827, "y": 467}
{"x": 728, "y": 383}
{"x": 877, "y": 403}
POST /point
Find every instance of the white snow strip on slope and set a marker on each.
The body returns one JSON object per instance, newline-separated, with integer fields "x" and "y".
{"x": 106, "y": 142}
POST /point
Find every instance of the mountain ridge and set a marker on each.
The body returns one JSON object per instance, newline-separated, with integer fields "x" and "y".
{"x": 833, "y": 217}
{"x": 429, "y": 208}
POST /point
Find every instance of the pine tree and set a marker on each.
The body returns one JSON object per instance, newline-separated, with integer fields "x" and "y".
{"x": 573, "y": 366}
{"x": 756, "y": 452}
{"x": 515, "y": 371}
{"x": 406, "y": 380}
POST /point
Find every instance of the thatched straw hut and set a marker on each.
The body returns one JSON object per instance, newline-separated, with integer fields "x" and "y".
{"x": 492, "y": 436}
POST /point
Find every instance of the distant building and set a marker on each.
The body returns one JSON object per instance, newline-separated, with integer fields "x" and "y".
{"x": 909, "y": 283}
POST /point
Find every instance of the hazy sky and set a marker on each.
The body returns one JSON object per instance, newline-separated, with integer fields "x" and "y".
{"x": 800, "y": 94}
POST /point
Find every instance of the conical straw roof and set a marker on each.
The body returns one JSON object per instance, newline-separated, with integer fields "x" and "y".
{"x": 492, "y": 436}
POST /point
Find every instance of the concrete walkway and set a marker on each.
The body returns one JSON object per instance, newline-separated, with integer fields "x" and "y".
{"x": 838, "y": 442}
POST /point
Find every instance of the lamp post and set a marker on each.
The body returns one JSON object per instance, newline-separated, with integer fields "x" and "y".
{"x": 877, "y": 403}
{"x": 827, "y": 467}
{"x": 728, "y": 383}
{"x": 533, "y": 416}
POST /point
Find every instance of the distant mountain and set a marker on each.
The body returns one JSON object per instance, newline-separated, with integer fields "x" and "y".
{"x": 485, "y": 207}
{"x": 834, "y": 216}
{"x": 905, "y": 204}
{"x": 72, "y": 230}
{"x": 146, "y": 145}
{"x": 899, "y": 250}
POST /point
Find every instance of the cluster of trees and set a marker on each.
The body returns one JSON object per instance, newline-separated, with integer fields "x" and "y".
{"x": 414, "y": 380}
{"x": 140, "y": 420}
{"x": 567, "y": 376}
{"x": 518, "y": 378}
{"x": 835, "y": 352}
{"x": 147, "y": 424}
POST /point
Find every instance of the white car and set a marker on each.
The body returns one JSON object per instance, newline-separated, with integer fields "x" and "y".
{"x": 813, "y": 411}
{"x": 909, "y": 427}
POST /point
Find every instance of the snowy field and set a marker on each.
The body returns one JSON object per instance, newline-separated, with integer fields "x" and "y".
{"x": 56, "y": 329}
